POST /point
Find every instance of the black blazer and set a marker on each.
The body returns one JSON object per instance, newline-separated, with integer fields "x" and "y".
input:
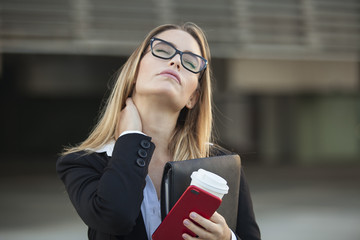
{"x": 107, "y": 192}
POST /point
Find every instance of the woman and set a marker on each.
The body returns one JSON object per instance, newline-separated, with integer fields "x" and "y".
{"x": 161, "y": 98}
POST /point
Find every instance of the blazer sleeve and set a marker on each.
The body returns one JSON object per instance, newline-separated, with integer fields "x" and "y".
{"x": 247, "y": 228}
{"x": 107, "y": 192}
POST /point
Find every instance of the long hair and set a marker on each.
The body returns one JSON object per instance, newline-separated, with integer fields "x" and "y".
{"x": 193, "y": 132}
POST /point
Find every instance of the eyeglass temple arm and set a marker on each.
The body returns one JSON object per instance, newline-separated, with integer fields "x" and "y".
{"x": 202, "y": 74}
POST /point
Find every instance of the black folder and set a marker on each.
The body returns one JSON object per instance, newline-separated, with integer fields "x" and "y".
{"x": 176, "y": 178}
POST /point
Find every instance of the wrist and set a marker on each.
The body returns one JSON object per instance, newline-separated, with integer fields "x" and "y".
{"x": 131, "y": 131}
{"x": 232, "y": 235}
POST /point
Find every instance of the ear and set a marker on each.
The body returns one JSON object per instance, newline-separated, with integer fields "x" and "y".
{"x": 193, "y": 99}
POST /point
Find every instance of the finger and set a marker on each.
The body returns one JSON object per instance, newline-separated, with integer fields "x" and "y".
{"x": 205, "y": 223}
{"x": 223, "y": 228}
{"x": 131, "y": 105}
{"x": 197, "y": 230}
{"x": 188, "y": 237}
{"x": 216, "y": 218}
{"x": 129, "y": 101}
{"x": 129, "y": 118}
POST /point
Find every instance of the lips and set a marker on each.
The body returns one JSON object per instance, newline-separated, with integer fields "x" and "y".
{"x": 172, "y": 74}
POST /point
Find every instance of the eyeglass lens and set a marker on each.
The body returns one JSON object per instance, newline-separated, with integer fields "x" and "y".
{"x": 190, "y": 61}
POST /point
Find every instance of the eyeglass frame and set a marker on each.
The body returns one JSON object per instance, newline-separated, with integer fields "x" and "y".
{"x": 177, "y": 51}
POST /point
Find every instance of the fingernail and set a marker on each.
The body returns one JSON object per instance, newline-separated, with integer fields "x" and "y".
{"x": 193, "y": 215}
{"x": 186, "y": 222}
{"x": 184, "y": 236}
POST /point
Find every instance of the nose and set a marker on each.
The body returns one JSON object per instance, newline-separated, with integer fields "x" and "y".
{"x": 175, "y": 61}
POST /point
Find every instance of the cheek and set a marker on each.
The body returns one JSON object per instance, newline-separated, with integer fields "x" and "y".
{"x": 192, "y": 84}
{"x": 144, "y": 68}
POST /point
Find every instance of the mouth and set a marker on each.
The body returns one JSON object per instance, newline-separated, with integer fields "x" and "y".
{"x": 172, "y": 74}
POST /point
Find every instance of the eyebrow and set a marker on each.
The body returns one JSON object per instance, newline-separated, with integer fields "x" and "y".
{"x": 174, "y": 45}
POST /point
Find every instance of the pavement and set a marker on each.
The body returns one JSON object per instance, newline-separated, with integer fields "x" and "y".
{"x": 290, "y": 202}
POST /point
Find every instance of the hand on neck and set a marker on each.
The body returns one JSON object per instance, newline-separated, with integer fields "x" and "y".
{"x": 158, "y": 120}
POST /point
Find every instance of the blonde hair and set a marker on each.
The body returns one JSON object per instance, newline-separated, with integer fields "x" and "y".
{"x": 192, "y": 133}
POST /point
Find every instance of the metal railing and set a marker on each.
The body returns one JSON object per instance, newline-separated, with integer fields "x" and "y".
{"x": 306, "y": 29}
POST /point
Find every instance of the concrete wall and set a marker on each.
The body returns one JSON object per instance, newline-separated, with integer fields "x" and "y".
{"x": 292, "y": 111}
{"x": 290, "y": 76}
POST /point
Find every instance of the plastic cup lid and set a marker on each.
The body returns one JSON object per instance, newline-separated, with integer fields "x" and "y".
{"x": 211, "y": 181}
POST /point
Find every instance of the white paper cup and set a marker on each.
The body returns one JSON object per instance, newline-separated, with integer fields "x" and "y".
{"x": 210, "y": 182}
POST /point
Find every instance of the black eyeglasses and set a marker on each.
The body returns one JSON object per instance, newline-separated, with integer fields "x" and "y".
{"x": 165, "y": 50}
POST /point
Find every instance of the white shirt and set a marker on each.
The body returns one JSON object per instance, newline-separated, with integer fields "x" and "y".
{"x": 150, "y": 206}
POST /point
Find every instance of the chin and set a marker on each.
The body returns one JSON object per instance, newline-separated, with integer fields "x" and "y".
{"x": 167, "y": 89}
{"x": 166, "y": 94}
{"x": 171, "y": 100}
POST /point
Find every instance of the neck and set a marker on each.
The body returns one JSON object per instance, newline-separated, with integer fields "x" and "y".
{"x": 158, "y": 122}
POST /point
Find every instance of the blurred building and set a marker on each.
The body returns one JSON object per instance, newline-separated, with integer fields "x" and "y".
{"x": 286, "y": 72}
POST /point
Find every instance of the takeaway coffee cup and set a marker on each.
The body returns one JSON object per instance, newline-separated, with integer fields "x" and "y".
{"x": 210, "y": 182}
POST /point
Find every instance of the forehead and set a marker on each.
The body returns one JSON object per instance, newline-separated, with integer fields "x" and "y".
{"x": 181, "y": 40}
